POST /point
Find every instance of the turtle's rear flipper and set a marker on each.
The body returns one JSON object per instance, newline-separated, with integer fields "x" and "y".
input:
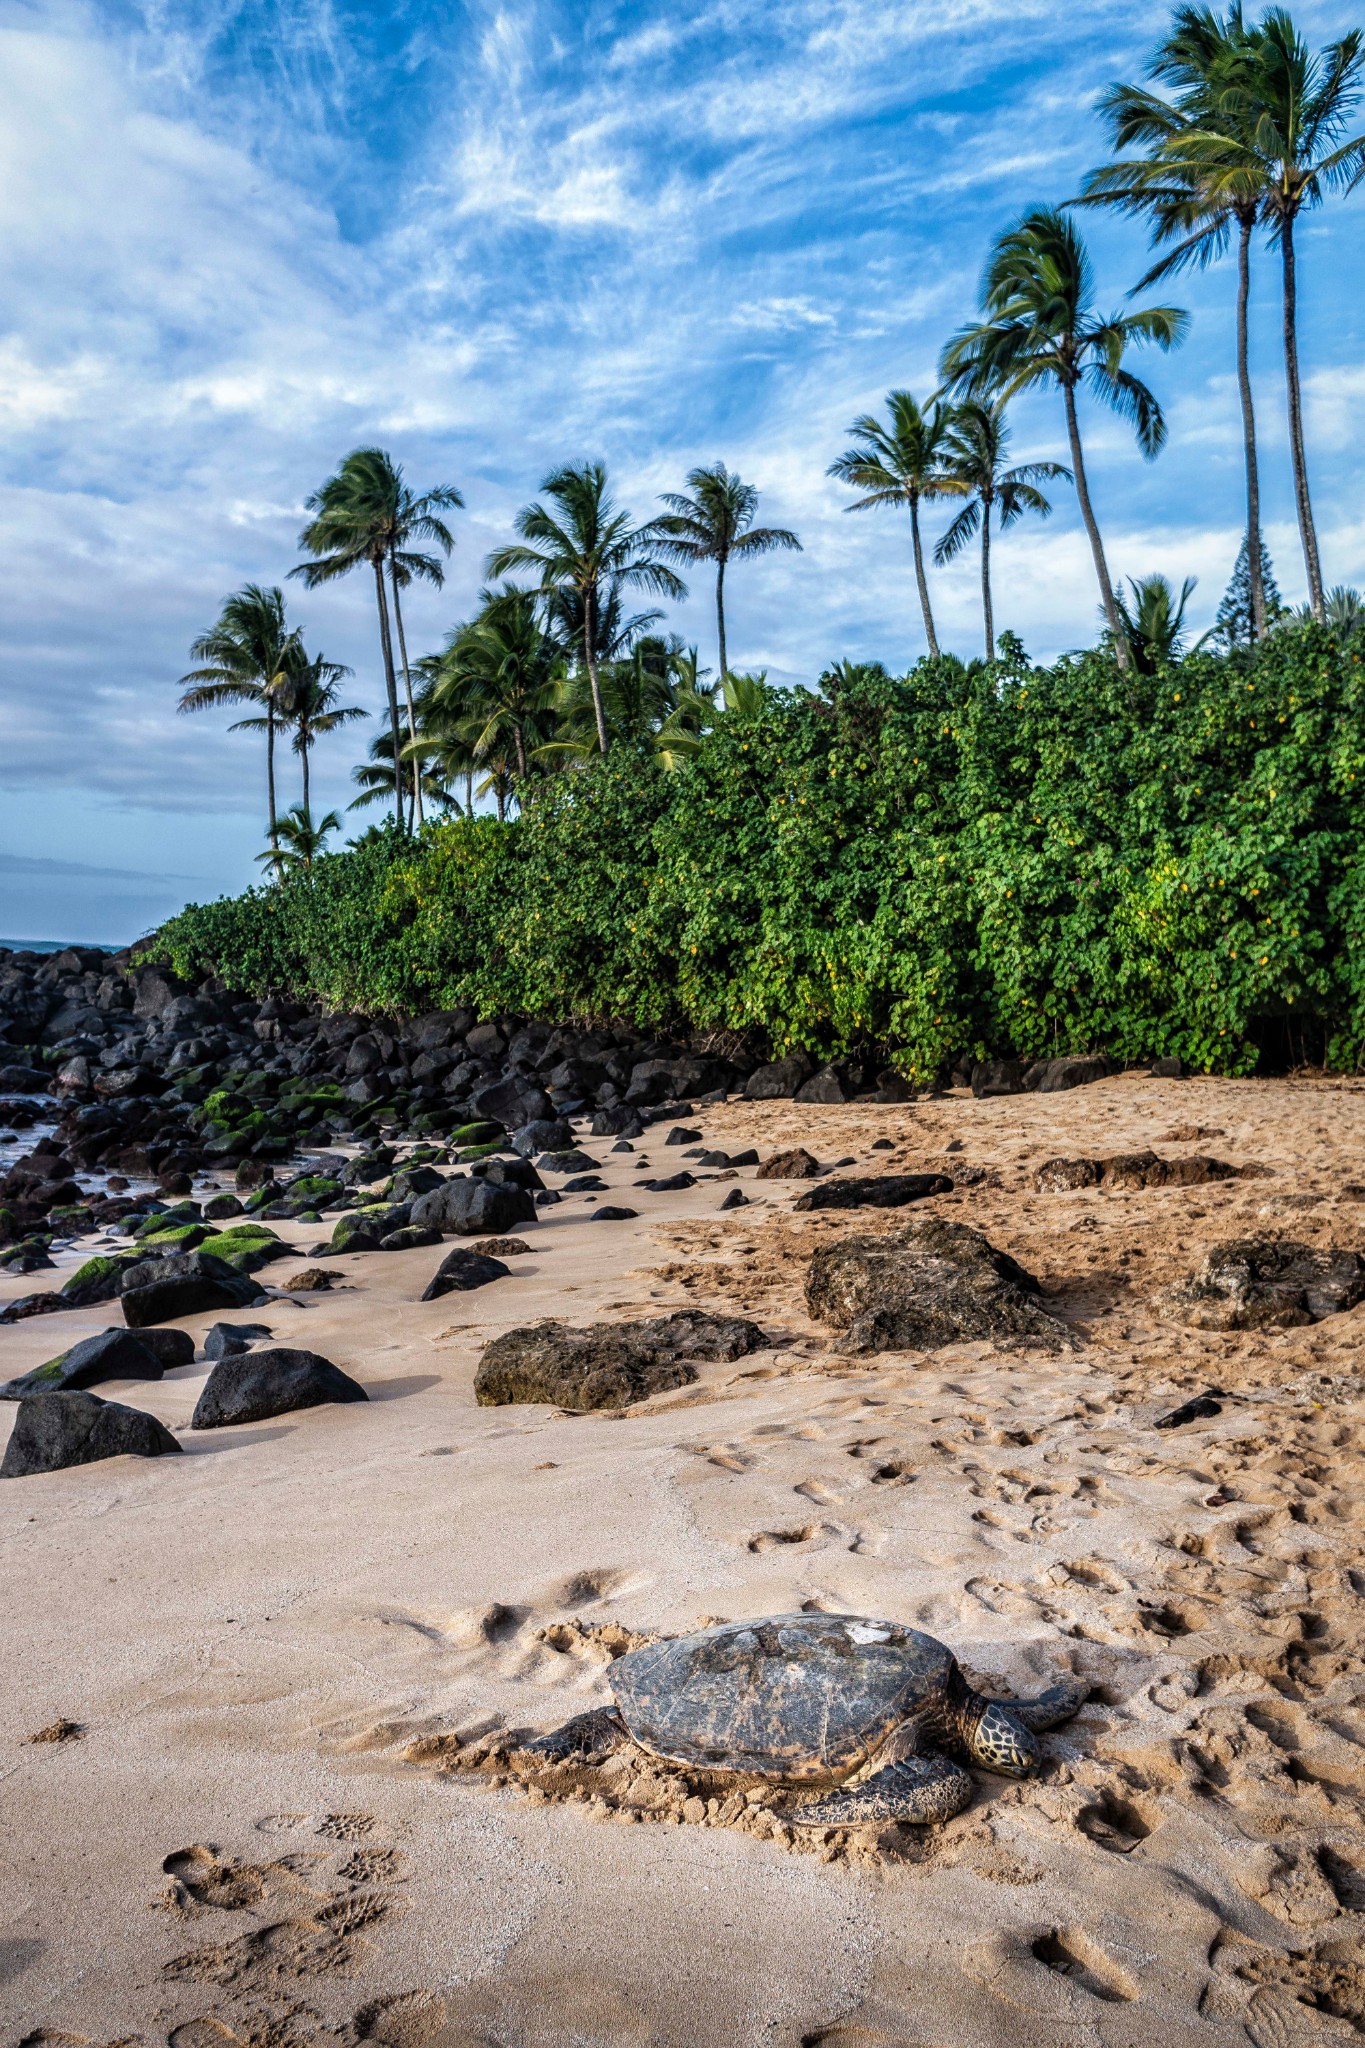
{"x": 588, "y": 1736}
{"x": 1052, "y": 1707}
{"x": 919, "y": 1788}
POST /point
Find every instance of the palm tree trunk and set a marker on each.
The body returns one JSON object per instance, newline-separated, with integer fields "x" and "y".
{"x": 303, "y": 750}
{"x": 1111, "y": 610}
{"x": 469, "y": 794}
{"x": 986, "y": 577}
{"x": 1307, "y": 530}
{"x": 520, "y": 738}
{"x": 391, "y": 683}
{"x": 922, "y": 581}
{"x": 407, "y": 686}
{"x": 270, "y": 771}
{"x": 720, "y": 619}
{"x": 1249, "y": 433}
{"x": 589, "y": 622}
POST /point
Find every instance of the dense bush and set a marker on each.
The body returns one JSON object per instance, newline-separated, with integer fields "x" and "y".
{"x": 1006, "y": 860}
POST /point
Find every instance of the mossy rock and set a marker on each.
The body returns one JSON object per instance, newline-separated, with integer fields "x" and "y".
{"x": 8, "y": 1225}
{"x": 181, "y": 1237}
{"x": 26, "y": 1248}
{"x": 471, "y": 1152}
{"x": 158, "y": 1220}
{"x": 98, "y": 1278}
{"x": 317, "y": 1188}
{"x": 247, "y": 1247}
{"x": 71, "y": 1220}
{"x": 482, "y": 1133}
{"x": 260, "y": 1198}
{"x": 373, "y": 1221}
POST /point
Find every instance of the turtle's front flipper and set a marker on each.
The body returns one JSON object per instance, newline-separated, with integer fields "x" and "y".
{"x": 589, "y": 1736}
{"x": 919, "y": 1788}
{"x": 1052, "y": 1707}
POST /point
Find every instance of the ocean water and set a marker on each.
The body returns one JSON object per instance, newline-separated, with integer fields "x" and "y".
{"x": 52, "y": 945}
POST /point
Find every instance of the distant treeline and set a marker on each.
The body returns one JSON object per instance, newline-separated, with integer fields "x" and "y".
{"x": 985, "y": 861}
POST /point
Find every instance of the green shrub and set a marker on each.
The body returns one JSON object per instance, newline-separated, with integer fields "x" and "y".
{"x": 951, "y": 864}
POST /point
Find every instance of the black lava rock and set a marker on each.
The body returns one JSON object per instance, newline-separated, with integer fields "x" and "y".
{"x": 474, "y": 1208}
{"x": 461, "y": 1271}
{"x": 160, "y": 1290}
{"x": 275, "y": 1381}
{"x": 229, "y": 1340}
{"x": 112, "y": 1355}
{"x": 883, "y": 1191}
{"x": 52, "y": 1431}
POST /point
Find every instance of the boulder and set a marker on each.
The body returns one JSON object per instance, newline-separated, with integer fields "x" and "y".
{"x": 23, "y": 1081}
{"x": 253, "y": 1385}
{"x": 474, "y": 1208}
{"x": 879, "y": 1191}
{"x": 548, "y": 1135}
{"x": 1050, "y": 1077}
{"x": 172, "y": 1347}
{"x": 161, "y": 1290}
{"x": 669, "y": 1184}
{"x": 461, "y": 1271}
{"x": 997, "y": 1077}
{"x": 1256, "y": 1283}
{"x": 52, "y": 1431}
{"x": 613, "y": 1212}
{"x": 411, "y": 1237}
{"x": 608, "y": 1365}
{"x": 112, "y": 1355}
{"x": 826, "y": 1086}
{"x": 930, "y": 1284}
{"x": 779, "y": 1080}
{"x": 33, "y": 1305}
{"x": 736, "y": 1199}
{"x": 1137, "y": 1170}
{"x": 796, "y": 1164}
{"x": 680, "y": 1135}
{"x": 229, "y": 1340}
{"x": 617, "y": 1123}
{"x": 572, "y": 1161}
{"x": 512, "y": 1102}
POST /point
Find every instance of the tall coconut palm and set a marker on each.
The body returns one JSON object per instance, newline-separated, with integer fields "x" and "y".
{"x": 250, "y": 656}
{"x": 1041, "y": 328}
{"x": 366, "y": 513}
{"x": 1283, "y": 121}
{"x": 581, "y": 547}
{"x": 1189, "y": 201}
{"x": 715, "y": 524}
{"x": 902, "y": 463}
{"x": 312, "y": 710}
{"x": 977, "y": 445}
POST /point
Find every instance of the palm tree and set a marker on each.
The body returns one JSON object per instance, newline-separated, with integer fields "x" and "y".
{"x": 716, "y": 525}
{"x": 312, "y": 710}
{"x": 586, "y": 550}
{"x": 1154, "y": 624}
{"x": 249, "y": 656}
{"x": 1041, "y": 328}
{"x": 302, "y": 840}
{"x": 1282, "y": 117}
{"x": 1185, "y": 199}
{"x": 902, "y": 464}
{"x": 365, "y": 513}
{"x": 976, "y": 449}
{"x": 498, "y": 676}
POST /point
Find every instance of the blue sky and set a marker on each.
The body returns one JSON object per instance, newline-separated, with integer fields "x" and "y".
{"x": 240, "y": 238}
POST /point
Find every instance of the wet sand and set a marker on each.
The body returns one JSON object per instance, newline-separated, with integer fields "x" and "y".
{"x": 289, "y": 1650}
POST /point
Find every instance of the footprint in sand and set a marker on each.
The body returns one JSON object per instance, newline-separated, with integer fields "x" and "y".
{"x": 1072, "y": 1953}
{"x": 777, "y": 1539}
{"x": 346, "y": 1827}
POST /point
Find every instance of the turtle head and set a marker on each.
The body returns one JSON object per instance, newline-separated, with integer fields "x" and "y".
{"x": 999, "y": 1742}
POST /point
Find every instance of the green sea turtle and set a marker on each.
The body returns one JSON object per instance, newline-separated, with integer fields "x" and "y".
{"x": 822, "y": 1700}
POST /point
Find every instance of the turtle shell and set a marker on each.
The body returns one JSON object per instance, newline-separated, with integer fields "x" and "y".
{"x": 806, "y": 1697}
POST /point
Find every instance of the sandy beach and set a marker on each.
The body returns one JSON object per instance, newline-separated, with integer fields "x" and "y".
{"x": 294, "y": 1654}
